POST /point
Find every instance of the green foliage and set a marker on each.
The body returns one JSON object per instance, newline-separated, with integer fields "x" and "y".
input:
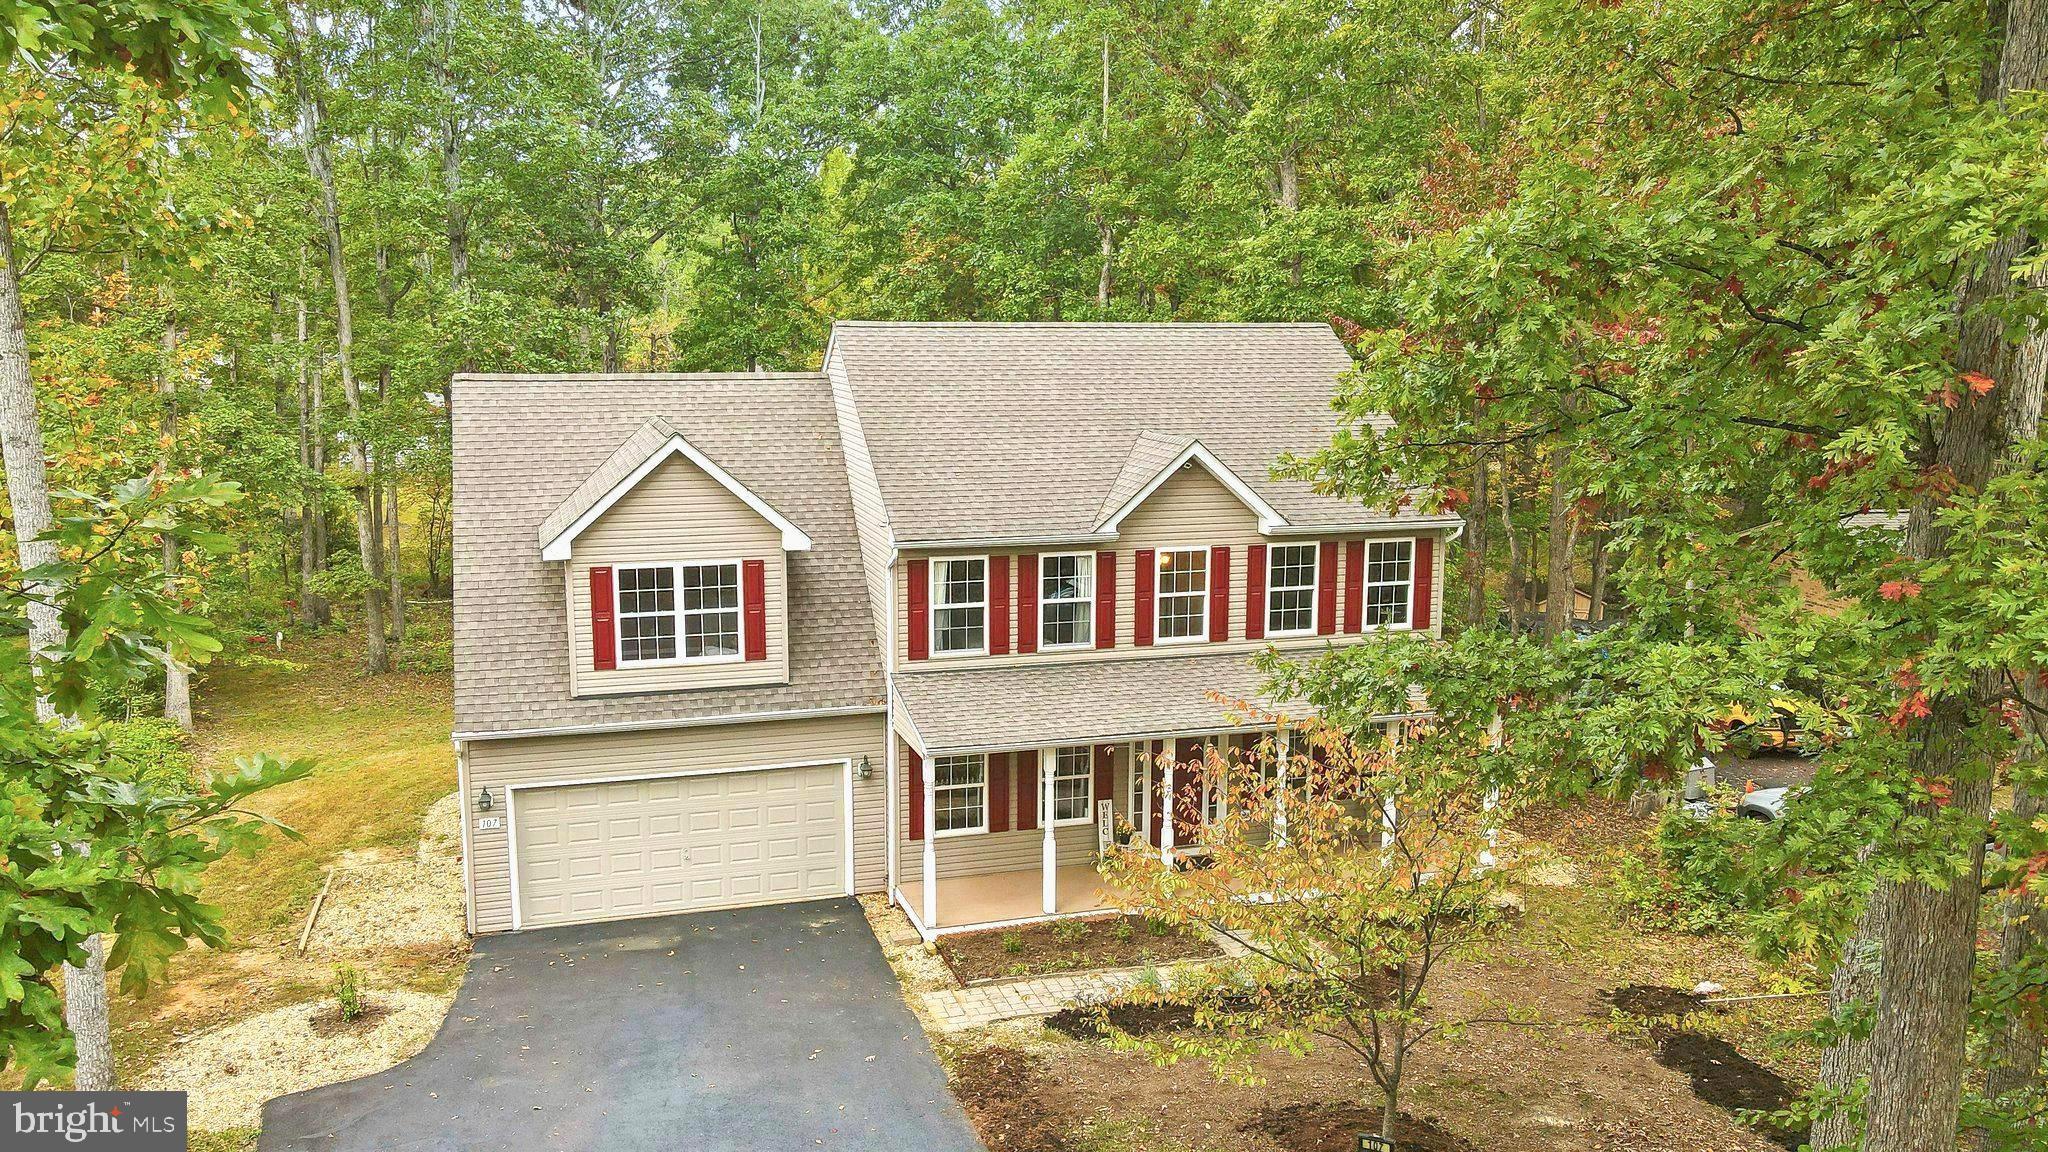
{"x": 348, "y": 992}
{"x": 151, "y": 750}
{"x": 1069, "y": 932}
{"x": 1013, "y": 943}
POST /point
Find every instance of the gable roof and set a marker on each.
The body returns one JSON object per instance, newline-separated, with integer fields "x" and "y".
{"x": 1031, "y": 432}
{"x": 526, "y": 445}
{"x": 645, "y": 450}
{"x": 1191, "y": 451}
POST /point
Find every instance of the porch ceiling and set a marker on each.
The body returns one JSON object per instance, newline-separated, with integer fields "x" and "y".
{"x": 1078, "y": 702}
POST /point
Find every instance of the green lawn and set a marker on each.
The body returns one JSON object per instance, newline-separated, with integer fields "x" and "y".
{"x": 383, "y": 754}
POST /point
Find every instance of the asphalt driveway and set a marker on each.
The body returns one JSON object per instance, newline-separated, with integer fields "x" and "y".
{"x": 770, "y": 1029}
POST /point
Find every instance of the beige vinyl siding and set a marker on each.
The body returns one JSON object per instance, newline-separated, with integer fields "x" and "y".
{"x": 1193, "y": 509}
{"x": 677, "y": 515}
{"x": 495, "y": 764}
{"x": 870, "y": 514}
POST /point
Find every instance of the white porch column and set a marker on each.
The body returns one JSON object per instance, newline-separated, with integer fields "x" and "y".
{"x": 931, "y": 844}
{"x": 1389, "y": 815}
{"x": 1050, "y": 849}
{"x": 1168, "y": 801}
{"x": 890, "y": 800}
{"x": 1286, "y": 753}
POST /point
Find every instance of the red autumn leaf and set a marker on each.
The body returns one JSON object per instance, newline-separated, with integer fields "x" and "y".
{"x": 1896, "y": 590}
{"x": 1978, "y": 383}
{"x": 1914, "y": 708}
{"x": 1732, "y": 285}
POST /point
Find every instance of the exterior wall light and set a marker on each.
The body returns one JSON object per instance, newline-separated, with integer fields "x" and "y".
{"x": 866, "y": 771}
{"x": 484, "y": 801}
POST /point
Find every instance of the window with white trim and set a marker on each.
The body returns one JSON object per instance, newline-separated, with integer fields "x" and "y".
{"x": 1182, "y": 594}
{"x": 647, "y": 614}
{"x": 711, "y": 611}
{"x": 1291, "y": 590}
{"x": 1389, "y": 575}
{"x": 1066, "y": 600}
{"x": 1072, "y": 775}
{"x": 960, "y": 605}
{"x": 960, "y": 793}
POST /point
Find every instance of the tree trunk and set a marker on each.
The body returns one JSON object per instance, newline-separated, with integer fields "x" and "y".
{"x": 1517, "y": 562}
{"x": 1597, "y": 594}
{"x": 1851, "y": 991}
{"x": 28, "y": 493}
{"x": 1290, "y": 203}
{"x": 177, "y": 677}
{"x": 313, "y": 610}
{"x": 1561, "y": 598}
{"x": 396, "y": 568}
{"x": 2012, "y": 1058}
{"x": 369, "y": 537}
{"x": 1476, "y": 516}
{"x": 1917, "y": 1045}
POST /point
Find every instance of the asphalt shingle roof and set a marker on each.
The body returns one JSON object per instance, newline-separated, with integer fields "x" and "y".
{"x": 525, "y": 444}
{"x": 1020, "y": 431}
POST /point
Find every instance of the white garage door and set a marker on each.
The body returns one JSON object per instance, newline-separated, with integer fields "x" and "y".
{"x": 679, "y": 844}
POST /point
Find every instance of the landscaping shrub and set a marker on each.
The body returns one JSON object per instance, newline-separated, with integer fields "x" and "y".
{"x": 348, "y": 992}
{"x": 151, "y": 750}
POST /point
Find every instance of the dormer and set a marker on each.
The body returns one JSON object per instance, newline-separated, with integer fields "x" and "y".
{"x": 675, "y": 573}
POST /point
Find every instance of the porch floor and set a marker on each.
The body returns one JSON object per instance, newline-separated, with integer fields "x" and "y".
{"x": 999, "y": 897}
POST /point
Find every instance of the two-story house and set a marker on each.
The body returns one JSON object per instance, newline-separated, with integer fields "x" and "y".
{"x": 927, "y": 622}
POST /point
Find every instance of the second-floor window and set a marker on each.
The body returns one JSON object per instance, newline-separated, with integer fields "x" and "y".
{"x": 960, "y": 605}
{"x": 960, "y": 794}
{"x": 1066, "y": 600}
{"x": 1388, "y": 579}
{"x": 1291, "y": 590}
{"x": 1183, "y": 594}
{"x": 686, "y": 611}
{"x": 1073, "y": 784}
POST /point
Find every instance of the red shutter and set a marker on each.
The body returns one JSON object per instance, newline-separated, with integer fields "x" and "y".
{"x": 1027, "y": 603}
{"x": 1219, "y": 593}
{"x": 1354, "y": 586}
{"x": 1105, "y": 599}
{"x": 916, "y": 775}
{"x": 1326, "y": 589}
{"x": 1105, "y": 774}
{"x": 920, "y": 590}
{"x": 1255, "y": 592}
{"x": 754, "y": 597}
{"x": 1027, "y": 791}
{"x": 999, "y": 791}
{"x": 999, "y": 605}
{"x": 1141, "y": 601}
{"x": 604, "y": 631}
{"x": 1425, "y": 580}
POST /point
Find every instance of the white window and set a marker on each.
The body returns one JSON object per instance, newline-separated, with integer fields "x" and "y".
{"x": 1388, "y": 581}
{"x": 1182, "y": 596}
{"x": 960, "y": 606}
{"x": 647, "y": 615}
{"x": 711, "y": 611}
{"x": 1066, "y": 600}
{"x": 1072, "y": 773}
{"x": 1291, "y": 590}
{"x": 653, "y": 629}
{"x": 960, "y": 794}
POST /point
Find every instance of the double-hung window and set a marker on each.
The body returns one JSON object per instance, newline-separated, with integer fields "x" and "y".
{"x": 1066, "y": 600}
{"x": 1071, "y": 773}
{"x": 656, "y": 625}
{"x": 1291, "y": 590}
{"x": 1183, "y": 594}
{"x": 1389, "y": 577}
{"x": 960, "y": 606}
{"x": 960, "y": 793}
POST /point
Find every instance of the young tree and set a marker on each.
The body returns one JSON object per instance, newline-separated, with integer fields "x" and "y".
{"x": 1350, "y": 869}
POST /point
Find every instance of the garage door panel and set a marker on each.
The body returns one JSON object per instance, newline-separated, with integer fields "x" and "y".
{"x": 679, "y": 844}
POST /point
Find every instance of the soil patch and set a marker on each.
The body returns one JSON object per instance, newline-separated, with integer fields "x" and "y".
{"x": 1069, "y": 946}
{"x": 1725, "y": 1077}
{"x": 1334, "y": 1127}
{"x": 1136, "y": 1017}
{"x": 1654, "y": 1001}
{"x": 327, "y": 1022}
{"x": 1002, "y": 1090}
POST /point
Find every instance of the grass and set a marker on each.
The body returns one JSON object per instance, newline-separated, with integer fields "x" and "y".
{"x": 383, "y": 756}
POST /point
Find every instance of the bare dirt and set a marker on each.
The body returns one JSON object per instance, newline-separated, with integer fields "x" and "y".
{"x": 1720, "y": 1074}
{"x": 1001, "y": 1089}
{"x": 1093, "y": 944}
{"x": 1334, "y": 1127}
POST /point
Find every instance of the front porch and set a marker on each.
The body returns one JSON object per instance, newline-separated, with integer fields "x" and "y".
{"x": 998, "y": 899}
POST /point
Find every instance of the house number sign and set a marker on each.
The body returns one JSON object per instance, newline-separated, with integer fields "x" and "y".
{"x": 489, "y": 823}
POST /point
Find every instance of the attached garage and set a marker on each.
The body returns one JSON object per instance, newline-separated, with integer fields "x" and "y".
{"x": 611, "y": 849}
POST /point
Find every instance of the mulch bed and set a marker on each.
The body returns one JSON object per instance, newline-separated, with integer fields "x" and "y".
{"x": 1068, "y": 946}
{"x": 1002, "y": 1090}
{"x": 1720, "y": 1075}
{"x": 1136, "y": 1017}
{"x": 328, "y": 1022}
{"x": 1334, "y": 1127}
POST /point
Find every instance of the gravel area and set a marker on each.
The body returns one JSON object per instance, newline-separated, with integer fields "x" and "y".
{"x": 232, "y": 1070}
{"x": 400, "y": 904}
